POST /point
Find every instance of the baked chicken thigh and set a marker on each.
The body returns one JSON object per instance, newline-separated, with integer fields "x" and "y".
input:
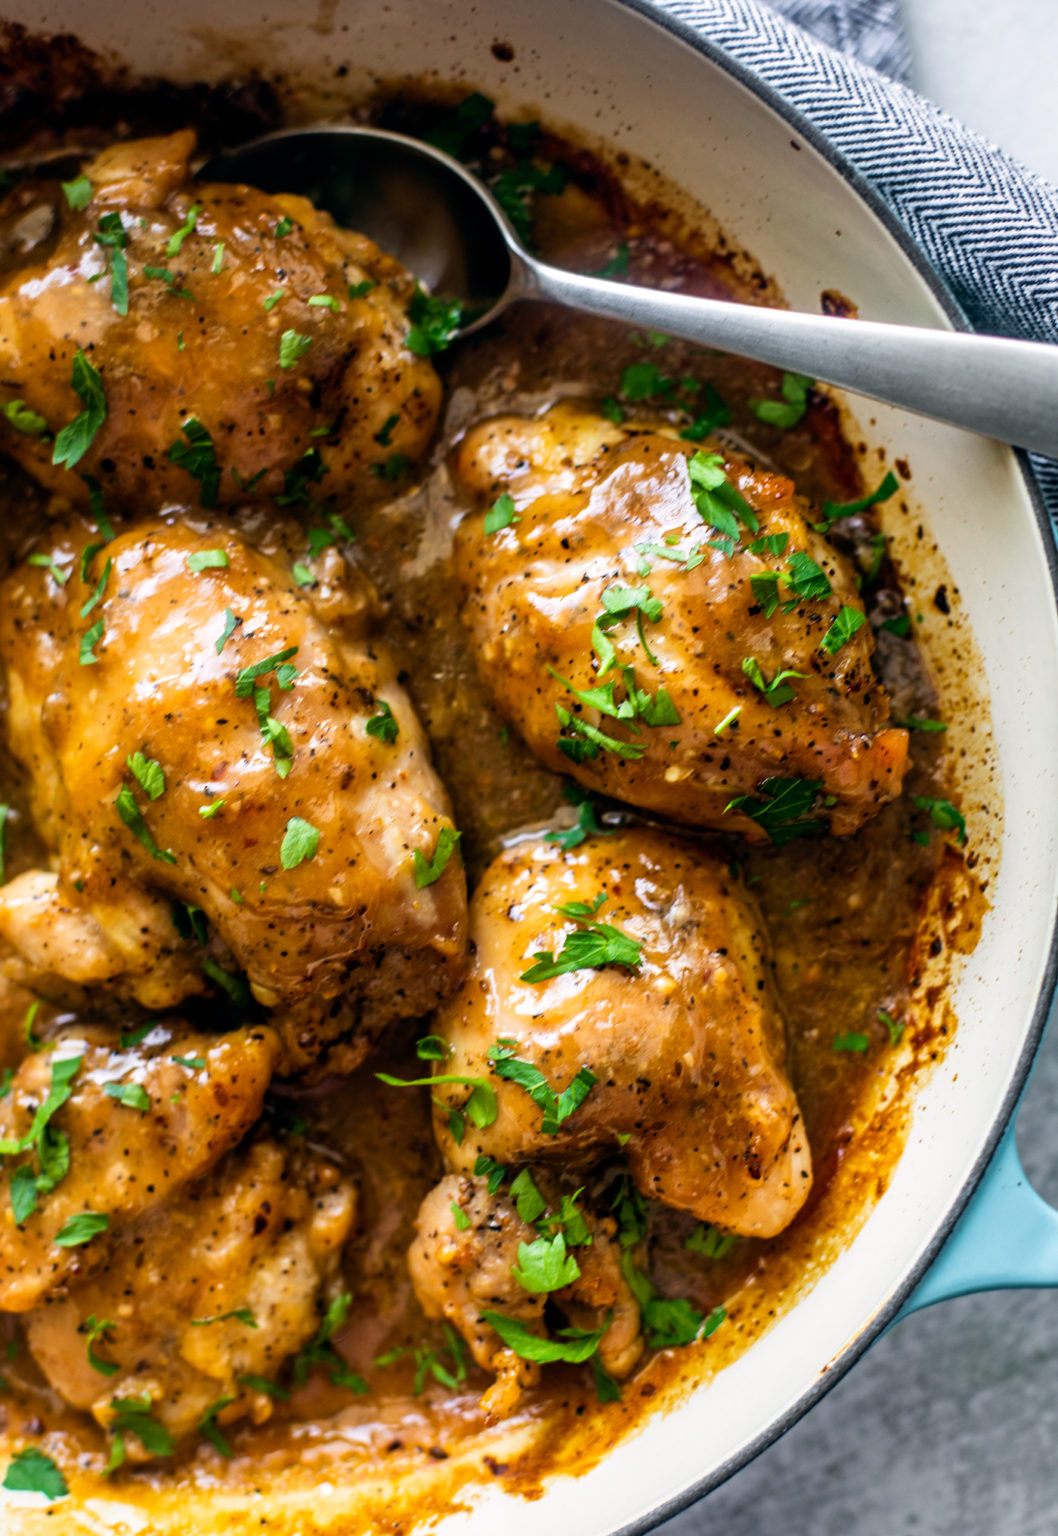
{"x": 665, "y": 625}
{"x": 96, "y": 1132}
{"x": 618, "y": 1001}
{"x": 203, "y": 1300}
{"x": 195, "y": 732}
{"x": 203, "y": 338}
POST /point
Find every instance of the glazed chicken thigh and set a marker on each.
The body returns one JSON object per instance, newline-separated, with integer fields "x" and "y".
{"x": 97, "y": 1131}
{"x": 206, "y": 337}
{"x": 464, "y": 1264}
{"x": 618, "y": 1000}
{"x": 203, "y": 1298}
{"x": 665, "y": 625}
{"x": 196, "y": 732}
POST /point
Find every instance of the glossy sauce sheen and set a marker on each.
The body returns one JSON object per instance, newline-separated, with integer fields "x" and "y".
{"x": 844, "y": 917}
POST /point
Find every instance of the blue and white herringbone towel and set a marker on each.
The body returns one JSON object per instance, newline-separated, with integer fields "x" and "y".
{"x": 988, "y": 225}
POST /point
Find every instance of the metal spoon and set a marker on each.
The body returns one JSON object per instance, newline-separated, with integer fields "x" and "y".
{"x": 444, "y": 225}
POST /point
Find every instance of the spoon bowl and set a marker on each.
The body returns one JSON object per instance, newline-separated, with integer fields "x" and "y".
{"x": 415, "y": 202}
{"x": 421, "y": 206}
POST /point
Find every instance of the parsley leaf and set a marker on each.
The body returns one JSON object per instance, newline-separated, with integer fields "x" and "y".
{"x": 459, "y": 124}
{"x": 434, "y": 323}
{"x": 360, "y": 290}
{"x": 480, "y": 1108}
{"x": 427, "y": 871}
{"x": 556, "y": 1108}
{"x": 787, "y": 412}
{"x": 528, "y": 1200}
{"x": 710, "y": 1243}
{"x": 75, "y": 439}
{"x": 488, "y": 1167}
{"x": 236, "y": 987}
{"x": 198, "y": 458}
{"x": 587, "y": 823}
{"x": 131, "y": 1095}
{"x": 501, "y": 514}
{"x": 209, "y": 1429}
{"x": 841, "y": 631}
{"x": 132, "y": 1415}
{"x": 81, "y": 1228}
{"x": 98, "y": 1328}
{"x": 591, "y": 738}
{"x": 943, "y": 815}
{"x": 207, "y": 560}
{"x": 176, "y": 240}
{"x": 111, "y": 233}
{"x": 588, "y": 947}
{"x": 300, "y": 842}
{"x": 779, "y": 690}
{"x": 805, "y": 578}
{"x": 238, "y": 1314}
{"x": 574, "y": 1345}
{"x": 78, "y": 192}
{"x": 782, "y": 808}
{"x": 292, "y": 348}
{"x": 320, "y": 1350}
{"x": 853, "y": 1041}
{"x": 431, "y": 1048}
{"x": 19, "y": 415}
{"x": 129, "y": 812}
{"x": 382, "y": 724}
{"x": 717, "y": 502}
{"x": 31, "y": 1471}
{"x": 921, "y": 723}
{"x": 285, "y": 225}
{"x": 147, "y": 773}
{"x": 544, "y": 1265}
{"x": 832, "y": 510}
{"x": 89, "y": 640}
{"x": 230, "y": 621}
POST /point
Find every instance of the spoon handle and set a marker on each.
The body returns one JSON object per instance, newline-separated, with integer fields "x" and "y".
{"x": 987, "y": 384}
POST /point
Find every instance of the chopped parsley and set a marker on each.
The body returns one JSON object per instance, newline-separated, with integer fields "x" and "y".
{"x": 111, "y": 234}
{"x": 285, "y": 225}
{"x": 943, "y": 815}
{"x": 587, "y": 739}
{"x": 832, "y": 510}
{"x": 776, "y": 693}
{"x": 147, "y": 773}
{"x": 394, "y": 467}
{"x": 488, "y": 1168}
{"x": 273, "y": 299}
{"x": 620, "y": 603}
{"x": 209, "y": 1429}
{"x": 31, "y": 1471}
{"x": 434, "y": 323}
{"x": 921, "y": 723}
{"x": 769, "y": 544}
{"x": 529, "y": 1202}
{"x": 292, "y": 348}
{"x": 544, "y": 1265}
{"x": 516, "y": 184}
{"x": 427, "y": 871}
{"x": 230, "y": 622}
{"x": 246, "y": 678}
{"x": 898, "y": 626}
{"x": 19, "y": 415}
{"x": 717, "y": 502}
{"x": 300, "y": 842}
{"x": 382, "y": 724}
{"x": 362, "y": 289}
{"x": 176, "y": 239}
{"x": 729, "y": 719}
{"x": 782, "y": 808}
{"x": 89, "y": 640}
{"x": 895, "y": 1029}
{"x": 669, "y": 1323}
{"x": 236, "y": 987}
{"x": 431, "y": 1048}
{"x": 81, "y": 1228}
{"x": 501, "y": 514}
{"x": 617, "y": 266}
{"x": 309, "y": 470}
{"x": 207, "y": 560}
{"x": 385, "y": 434}
{"x": 479, "y": 1108}
{"x": 131, "y": 1095}
{"x": 262, "y": 1384}
{"x": 75, "y": 439}
{"x": 574, "y": 1345}
{"x": 192, "y": 1063}
{"x": 100, "y": 586}
{"x": 459, "y": 124}
{"x": 238, "y": 1314}
{"x": 129, "y": 811}
{"x": 847, "y": 623}
{"x": 78, "y": 192}
{"x": 98, "y": 1328}
{"x": 587, "y": 823}
{"x": 198, "y": 458}
{"x": 710, "y": 1243}
{"x": 321, "y": 1351}
{"x": 787, "y": 412}
{"x": 853, "y": 1041}
{"x": 589, "y": 947}
{"x": 48, "y": 563}
{"x": 218, "y": 258}
{"x": 805, "y": 578}
{"x": 717, "y": 414}
{"x": 133, "y": 1415}
{"x": 460, "y": 1217}
{"x": 556, "y": 1108}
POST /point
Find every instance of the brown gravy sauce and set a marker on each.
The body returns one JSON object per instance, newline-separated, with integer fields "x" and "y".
{"x": 857, "y": 925}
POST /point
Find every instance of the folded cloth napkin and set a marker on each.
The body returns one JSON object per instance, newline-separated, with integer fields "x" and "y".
{"x": 988, "y": 225}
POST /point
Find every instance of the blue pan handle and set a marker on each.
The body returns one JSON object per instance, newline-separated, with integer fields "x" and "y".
{"x": 1005, "y": 1239}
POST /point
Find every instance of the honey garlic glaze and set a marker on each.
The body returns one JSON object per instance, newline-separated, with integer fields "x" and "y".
{"x": 858, "y": 925}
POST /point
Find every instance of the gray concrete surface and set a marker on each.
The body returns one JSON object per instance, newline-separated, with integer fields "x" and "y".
{"x": 948, "y": 1427}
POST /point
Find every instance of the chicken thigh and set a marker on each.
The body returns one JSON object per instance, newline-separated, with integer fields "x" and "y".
{"x": 618, "y": 1000}
{"x": 204, "y": 338}
{"x": 664, "y": 625}
{"x": 195, "y": 731}
{"x": 203, "y": 1299}
{"x": 465, "y": 1263}
{"x": 94, "y": 1133}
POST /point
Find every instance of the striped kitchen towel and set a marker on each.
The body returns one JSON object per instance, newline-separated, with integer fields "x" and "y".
{"x": 988, "y": 225}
